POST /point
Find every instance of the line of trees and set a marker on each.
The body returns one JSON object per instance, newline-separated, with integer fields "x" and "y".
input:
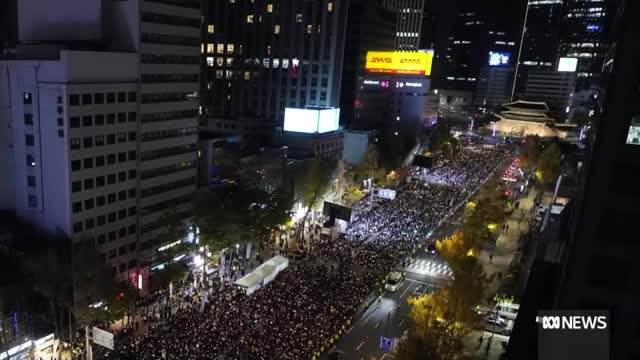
{"x": 445, "y": 317}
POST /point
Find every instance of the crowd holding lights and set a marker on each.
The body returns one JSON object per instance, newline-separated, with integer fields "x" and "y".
{"x": 313, "y": 299}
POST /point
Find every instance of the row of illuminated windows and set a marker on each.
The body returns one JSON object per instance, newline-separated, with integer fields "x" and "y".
{"x": 168, "y": 134}
{"x": 101, "y": 181}
{"x": 158, "y": 189}
{"x": 220, "y": 48}
{"x": 166, "y": 170}
{"x": 88, "y": 142}
{"x": 102, "y": 200}
{"x": 110, "y": 218}
{"x": 102, "y": 160}
{"x": 168, "y": 97}
{"x": 166, "y": 152}
{"x": 168, "y": 204}
{"x": 102, "y": 98}
{"x": 101, "y": 119}
{"x": 169, "y": 115}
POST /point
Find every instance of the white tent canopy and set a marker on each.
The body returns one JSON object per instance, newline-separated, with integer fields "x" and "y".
{"x": 263, "y": 274}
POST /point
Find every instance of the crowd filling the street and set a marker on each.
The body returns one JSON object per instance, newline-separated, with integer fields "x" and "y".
{"x": 309, "y": 302}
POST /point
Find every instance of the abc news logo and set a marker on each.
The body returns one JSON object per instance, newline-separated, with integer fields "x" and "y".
{"x": 573, "y": 322}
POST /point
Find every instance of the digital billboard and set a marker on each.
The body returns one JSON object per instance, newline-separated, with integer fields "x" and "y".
{"x": 395, "y": 62}
{"x": 335, "y": 211}
{"x": 567, "y": 64}
{"x": 499, "y": 58}
{"x": 311, "y": 121}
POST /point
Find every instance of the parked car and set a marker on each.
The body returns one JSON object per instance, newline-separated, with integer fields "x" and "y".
{"x": 498, "y": 325}
{"x": 507, "y": 310}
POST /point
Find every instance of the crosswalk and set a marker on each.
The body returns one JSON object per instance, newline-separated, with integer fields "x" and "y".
{"x": 429, "y": 267}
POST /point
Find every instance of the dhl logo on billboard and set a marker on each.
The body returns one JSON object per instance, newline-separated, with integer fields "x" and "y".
{"x": 395, "y": 62}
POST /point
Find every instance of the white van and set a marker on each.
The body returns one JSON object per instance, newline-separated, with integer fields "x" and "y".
{"x": 507, "y": 310}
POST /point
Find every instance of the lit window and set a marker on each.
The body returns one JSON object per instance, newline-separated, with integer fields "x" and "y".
{"x": 218, "y": 74}
{"x": 202, "y": 48}
{"x": 298, "y": 18}
{"x": 210, "y": 48}
{"x": 209, "y": 61}
{"x": 330, "y": 7}
{"x": 230, "y": 48}
{"x": 276, "y": 29}
{"x": 219, "y": 61}
{"x": 270, "y": 8}
{"x": 309, "y": 29}
{"x": 633, "y": 136}
{"x": 211, "y": 29}
{"x": 247, "y": 75}
{"x": 250, "y": 19}
{"x": 220, "y": 49}
{"x": 229, "y": 61}
{"x": 229, "y": 74}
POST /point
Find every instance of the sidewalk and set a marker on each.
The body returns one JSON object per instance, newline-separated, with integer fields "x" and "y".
{"x": 507, "y": 242}
{"x": 503, "y": 252}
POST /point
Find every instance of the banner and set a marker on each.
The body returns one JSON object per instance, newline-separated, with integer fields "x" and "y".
{"x": 395, "y": 62}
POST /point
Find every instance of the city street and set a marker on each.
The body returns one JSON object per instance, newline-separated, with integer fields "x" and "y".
{"x": 388, "y": 318}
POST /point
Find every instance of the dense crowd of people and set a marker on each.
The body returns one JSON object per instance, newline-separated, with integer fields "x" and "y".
{"x": 382, "y": 232}
{"x": 291, "y": 318}
{"x": 311, "y": 300}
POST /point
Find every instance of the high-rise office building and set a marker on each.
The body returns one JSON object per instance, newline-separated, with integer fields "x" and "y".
{"x": 494, "y": 86}
{"x": 409, "y": 22}
{"x": 103, "y": 115}
{"x": 555, "y": 88}
{"x": 590, "y": 262}
{"x": 370, "y": 27}
{"x": 539, "y": 47}
{"x": 478, "y": 30}
{"x": 262, "y": 56}
{"x": 540, "y": 41}
{"x": 583, "y": 35}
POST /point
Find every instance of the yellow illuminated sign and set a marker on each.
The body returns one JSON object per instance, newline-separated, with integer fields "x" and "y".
{"x": 394, "y": 62}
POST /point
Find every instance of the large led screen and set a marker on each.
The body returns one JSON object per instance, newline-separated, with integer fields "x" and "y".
{"x": 311, "y": 121}
{"x": 329, "y": 119}
{"x": 567, "y": 64}
{"x": 499, "y": 58}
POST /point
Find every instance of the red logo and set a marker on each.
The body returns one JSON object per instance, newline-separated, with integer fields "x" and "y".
{"x": 377, "y": 59}
{"x": 410, "y": 61}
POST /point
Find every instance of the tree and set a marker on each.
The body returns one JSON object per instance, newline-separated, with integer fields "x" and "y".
{"x": 93, "y": 281}
{"x": 530, "y": 152}
{"x": 549, "y": 164}
{"x": 484, "y": 213}
{"x": 274, "y": 210}
{"x": 317, "y": 182}
{"x": 415, "y": 347}
{"x": 353, "y": 194}
{"x": 443, "y": 318}
{"x": 223, "y": 218}
{"x": 240, "y": 214}
{"x": 456, "y": 247}
{"x": 369, "y": 168}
